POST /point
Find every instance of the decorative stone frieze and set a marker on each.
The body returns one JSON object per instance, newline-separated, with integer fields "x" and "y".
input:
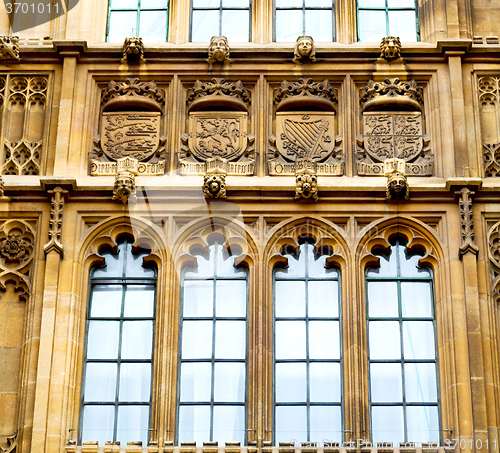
{"x": 218, "y": 50}
{"x": 305, "y": 50}
{"x": 133, "y": 51}
{"x": 466, "y": 223}
{"x": 55, "y": 222}
{"x": 306, "y": 180}
{"x": 494, "y": 256}
{"x": 9, "y": 48}
{"x": 390, "y": 48}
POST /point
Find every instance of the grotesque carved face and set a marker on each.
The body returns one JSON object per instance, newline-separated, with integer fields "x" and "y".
{"x": 124, "y": 186}
{"x": 304, "y": 46}
{"x": 397, "y": 187}
{"x": 218, "y": 50}
{"x": 390, "y": 48}
{"x": 398, "y": 184}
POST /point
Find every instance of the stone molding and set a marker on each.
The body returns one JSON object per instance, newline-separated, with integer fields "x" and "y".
{"x": 466, "y": 222}
{"x": 55, "y": 222}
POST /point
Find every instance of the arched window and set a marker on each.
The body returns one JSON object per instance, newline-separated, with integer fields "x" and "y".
{"x": 307, "y": 359}
{"x": 118, "y": 367}
{"x": 213, "y": 350}
{"x": 402, "y": 349}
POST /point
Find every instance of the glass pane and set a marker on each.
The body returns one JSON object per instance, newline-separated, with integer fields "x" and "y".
{"x": 401, "y": 3}
{"x": 316, "y": 267}
{"x": 288, "y": 3}
{"x": 98, "y": 423}
{"x": 371, "y": 3}
{"x": 420, "y": 382}
{"x": 387, "y": 424}
{"x": 124, "y": 4}
{"x": 288, "y": 25}
{"x": 204, "y": 269}
{"x": 224, "y": 262}
{"x": 198, "y": 298}
{"x": 230, "y": 339}
{"x": 135, "y": 382}
{"x": 388, "y": 266}
{"x": 296, "y": 266}
{"x": 206, "y": 3}
{"x": 290, "y": 299}
{"x": 236, "y": 25}
{"x": 235, "y": 3}
{"x": 137, "y": 337}
{"x": 106, "y": 301}
{"x": 102, "y": 340}
{"x": 404, "y": 25}
{"x": 194, "y": 423}
{"x": 324, "y": 340}
{"x": 205, "y": 25}
{"x": 229, "y": 385}
{"x": 133, "y": 424}
{"x": 386, "y": 383}
{"x": 114, "y": 263}
{"x": 196, "y": 381}
{"x": 231, "y": 298}
{"x": 153, "y": 27}
{"x": 229, "y": 424}
{"x": 319, "y": 25}
{"x": 383, "y": 299}
{"x": 423, "y": 423}
{"x": 324, "y": 382}
{"x": 291, "y": 423}
{"x": 197, "y": 339}
{"x": 416, "y": 300}
{"x": 384, "y": 340}
{"x": 409, "y": 264}
{"x": 134, "y": 261}
{"x": 319, "y": 3}
{"x": 154, "y": 4}
{"x": 100, "y": 382}
{"x": 323, "y": 299}
{"x": 139, "y": 301}
{"x": 326, "y": 423}
{"x": 291, "y": 382}
{"x": 122, "y": 25}
{"x": 418, "y": 340}
{"x": 290, "y": 340}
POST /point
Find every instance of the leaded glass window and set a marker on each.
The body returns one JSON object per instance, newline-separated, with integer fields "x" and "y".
{"x": 147, "y": 19}
{"x": 118, "y": 367}
{"x": 230, "y": 18}
{"x": 213, "y": 345}
{"x": 380, "y": 18}
{"x": 307, "y": 370}
{"x": 294, "y": 18}
{"x": 402, "y": 350}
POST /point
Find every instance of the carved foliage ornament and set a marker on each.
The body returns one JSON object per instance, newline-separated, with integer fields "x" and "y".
{"x": 55, "y": 222}
{"x": 218, "y": 50}
{"x": 214, "y": 185}
{"x": 305, "y": 87}
{"x": 9, "y": 48}
{"x": 390, "y": 48}
{"x": 494, "y": 256}
{"x": 133, "y": 50}
{"x": 393, "y": 92}
{"x": 218, "y": 87}
{"x": 466, "y": 222}
{"x": 133, "y": 90}
{"x": 304, "y": 50}
{"x": 306, "y": 180}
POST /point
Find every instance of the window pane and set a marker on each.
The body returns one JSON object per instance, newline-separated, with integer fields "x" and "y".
{"x": 236, "y": 25}
{"x": 197, "y": 339}
{"x": 386, "y": 382}
{"x": 423, "y": 423}
{"x": 100, "y": 382}
{"x": 98, "y": 423}
{"x": 418, "y": 340}
{"x": 383, "y": 299}
{"x": 134, "y": 262}
{"x": 324, "y": 340}
{"x": 387, "y": 424}
{"x": 316, "y": 267}
{"x": 288, "y": 25}
{"x": 113, "y": 267}
{"x": 290, "y": 299}
{"x": 371, "y": 3}
{"x": 124, "y": 4}
{"x": 205, "y": 25}
{"x": 325, "y": 382}
{"x": 420, "y": 382}
{"x": 404, "y": 25}
{"x": 296, "y": 267}
{"x": 230, "y": 339}
{"x": 416, "y": 300}
{"x": 291, "y": 423}
{"x": 384, "y": 338}
{"x": 229, "y": 424}
{"x": 388, "y": 266}
{"x": 153, "y": 26}
{"x": 102, "y": 340}
{"x": 197, "y": 299}
{"x": 133, "y": 424}
{"x": 323, "y": 299}
{"x": 137, "y": 338}
{"x": 204, "y": 269}
{"x": 401, "y": 3}
{"x": 231, "y": 298}
{"x": 235, "y": 3}
{"x": 409, "y": 265}
{"x": 229, "y": 385}
{"x": 320, "y": 3}
{"x": 122, "y": 25}
{"x": 326, "y": 423}
{"x": 319, "y": 25}
{"x": 288, "y": 3}
{"x": 206, "y": 3}
{"x": 196, "y": 381}
{"x": 154, "y": 4}
{"x": 106, "y": 301}
{"x": 135, "y": 382}
{"x": 225, "y": 264}
{"x": 194, "y": 423}
{"x": 291, "y": 382}
{"x": 290, "y": 340}
{"x": 139, "y": 301}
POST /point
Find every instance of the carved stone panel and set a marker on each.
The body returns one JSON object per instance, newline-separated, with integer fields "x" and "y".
{"x": 489, "y": 103}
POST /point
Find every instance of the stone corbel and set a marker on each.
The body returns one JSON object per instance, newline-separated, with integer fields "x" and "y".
{"x": 466, "y": 222}
{"x": 306, "y": 179}
{"x": 214, "y": 180}
{"x": 55, "y": 223}
{"x": 218, "y": 50}
{"x": 397, "y": 182}
{"x": 133, "y": 51}
{"x": 305, "y": 50}
{"x": 126, "y": 171}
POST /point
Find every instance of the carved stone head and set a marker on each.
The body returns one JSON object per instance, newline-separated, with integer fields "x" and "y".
{"x": 124, "y": 186}
{"x": 214, "y": 186}
{"x": 390, "y": 48}
{"x": 218, "y": 49}
{"x": 306, "y": 186}
{"x": 397, "y": 187}
{"x": 133, "y": 50}
{"x": 304, "y": 49}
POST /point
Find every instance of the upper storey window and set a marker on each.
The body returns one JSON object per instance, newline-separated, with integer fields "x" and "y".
{"x": 230, "y": 18}
{"x": 142, "y": 18}
{"x": 380, "y": 18}
{"x": 294, "y": 18}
